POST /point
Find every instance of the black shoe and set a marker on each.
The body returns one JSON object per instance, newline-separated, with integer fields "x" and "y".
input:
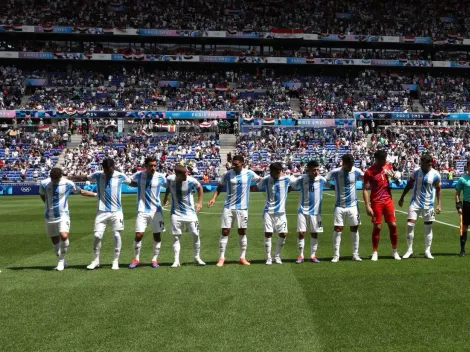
{"x": 462, "y": 253}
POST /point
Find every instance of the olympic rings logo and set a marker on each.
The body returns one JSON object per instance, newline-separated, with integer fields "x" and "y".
{"x": 25, "y": 189}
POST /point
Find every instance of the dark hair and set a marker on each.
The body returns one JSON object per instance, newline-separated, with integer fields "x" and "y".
{"x": 380, "y": 155}
{"x": 56, "y": 173}
{"x": 275, "y": 167}
{"x": 181, "y": 170}
{"x": 312, "y": 163}
{"x": 238, "y": 158}
{"x": 347, "y": 158}
{"x": 150, "y": 159}
{"x": 107, "y": 163}
{"x": 426, "y": 158}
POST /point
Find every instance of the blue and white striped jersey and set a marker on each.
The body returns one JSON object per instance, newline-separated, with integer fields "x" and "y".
{"x": 424, "y": 188}
{"x": 148, "y": 191}
{"x": 238, "y": 188}
{"x": 57, "y": 195}
{"x": 276, "y": 193}
{"x": 182, "y": 200}
{"x": 345, "y": 185}
{"x": 109, "y": 189}
{"x": 311, "y": 194}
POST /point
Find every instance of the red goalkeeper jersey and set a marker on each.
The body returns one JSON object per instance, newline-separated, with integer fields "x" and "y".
{"x": 378, "y": 178}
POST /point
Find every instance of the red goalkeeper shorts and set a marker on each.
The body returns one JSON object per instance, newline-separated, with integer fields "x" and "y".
{"x": 387, "y": 210}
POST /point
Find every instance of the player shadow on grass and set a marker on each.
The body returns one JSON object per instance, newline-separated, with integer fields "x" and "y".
{"x": 50, "y": 267}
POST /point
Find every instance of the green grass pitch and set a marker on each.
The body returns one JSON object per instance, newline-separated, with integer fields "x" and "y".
{"x": 415, "y": 304}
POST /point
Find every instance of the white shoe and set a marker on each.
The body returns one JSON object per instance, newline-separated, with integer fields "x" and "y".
{"x": 407, "y": 254}
{"x": 375, "y": 257}
{"x": 198, "y": 261}
{"x": 356, "y": 258}
{"x": 335, "y": 259}
{"x": 396, "y": 256}
{"x": 115, "y": 265}
{"x": 277, "y": 260}
{"x": 175, "y": 265}
{"x": 94, "y": 264}
{"x": 428, "y": 255}
{"x": 269, "y": 261}
{"x": 60, "y": 265}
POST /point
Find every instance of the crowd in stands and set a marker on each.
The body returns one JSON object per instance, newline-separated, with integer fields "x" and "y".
{"x": 416, "y": 18}
{"x": 28, "y": 156}
{"x": 449, "y": 145}
{"x": 198, "y": 152}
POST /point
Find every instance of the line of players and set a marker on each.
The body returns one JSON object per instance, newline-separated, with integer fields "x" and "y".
{"x": 424, "y": 181}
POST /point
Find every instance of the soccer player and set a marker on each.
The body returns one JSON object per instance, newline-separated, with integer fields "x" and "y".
{"x": 309, "y": 212}
{"x": 183, "y": 211}
{"x": 54, "y": 192}
{"x": 463, "y": 208}
{"x": 346, "y": 206}
{"x": 149, "y": 209}
{"x": 277, "y": 187}
{"x": 238, "y": 181}
{"x": 424, "y": 181}
{"x": 380, "y": 202}
{"x": 109, "y": 183}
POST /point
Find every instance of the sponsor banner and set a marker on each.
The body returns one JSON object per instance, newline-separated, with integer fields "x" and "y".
{"x": 7, "y": 113}
{"x": 233, "y": 34}
{"x": 216, "y": 34}
{"x": 158, "y": 32}
{"x": 416, "y": 40}
{"x": 174, "y": 84}
{"x": 349, "y": 38}
{"x": 410, "y": 87}
{"x": 389, "y": 39}
{"x": 227, "y": 59}
{"x": 295, "y": 85}
{"x": 460, "y": 64}
{"x": 102, "y": 57}
{"x": 275, "y": 60}
{"x": 326, "y": 122}
{"x": 411, "y": 116}
{"x": 344, "y": 15}
{"x": 50, "y": 56}
{"x": 196, "y": 114}
{"x": 34, "y": 82}
{"x": 54, "y": 29}
{"x": 9, "y": 55}
{"x": 402, "y": 63}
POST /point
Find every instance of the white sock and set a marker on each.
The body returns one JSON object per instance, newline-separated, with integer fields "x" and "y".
{"x": 137, "y": 247}
{"x": 56, "y": 248}
{"x": 355, "y": 242}
{"x": 336, "y": 243}
{"x": 279, "y": 244}
{"x": 117, "y": 244}
{"x": 196, "y": 245}
{"x": 427, "y": 237}
{"x": 243, "y": 243}
{"x": 97, "y": 246}
{"x": 410, "y": 235}
{"x": 313, "y": 246}
{"x": 301, "y": 244}
{"x": 223, "y": 240}
{"x": 64, "y": 247}
{"x": 268, "y": 246}
{"x": 156, "y": 250}
{"x": 176, "y": 248}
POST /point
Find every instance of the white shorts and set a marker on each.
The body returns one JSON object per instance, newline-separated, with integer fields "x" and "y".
{"x": 426, "y": 214}
{"x": 351, "y": 214}
{"x": 155, "y": 219}
{"x": 229, "y": 214}
{"x": 275, "y": 223}
{"x": 53, "y": 229}
{"x": 306, "y": 220}
{"x": 178, "y": 226}
{"x": 115, "y": 218}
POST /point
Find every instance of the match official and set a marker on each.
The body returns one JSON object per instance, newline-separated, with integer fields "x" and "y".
{"x": 463, "y": 208}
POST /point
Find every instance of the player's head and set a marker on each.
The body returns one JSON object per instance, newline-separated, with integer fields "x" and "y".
{"x": 348, "y": 162}
{"x": 275, "y": 170}
{"x": 151, "y": 164}
{"x": 237, "y": 163}
{"x": 426, "y": 162}
{"x": 180, "y": 173}
{"x": 313, "y": 168}
{"x": 108, "y": 167}
{"x": 380, "y": 157}
{"x": 55, "y": 174}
